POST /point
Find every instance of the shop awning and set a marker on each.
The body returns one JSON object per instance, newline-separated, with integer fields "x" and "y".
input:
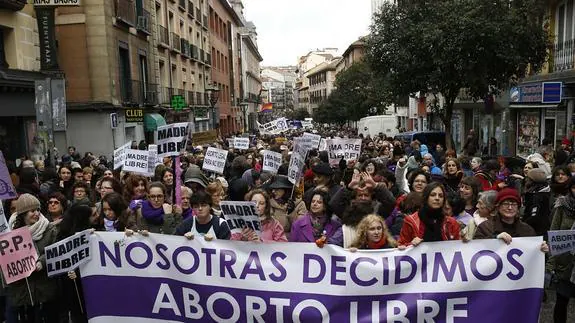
{"x": 532, "y": 106}
{"x": 152, "y": 121}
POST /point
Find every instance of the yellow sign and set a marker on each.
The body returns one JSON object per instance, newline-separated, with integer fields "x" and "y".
{"x": 134, "y": 115}
{"x": 205, "y": 137}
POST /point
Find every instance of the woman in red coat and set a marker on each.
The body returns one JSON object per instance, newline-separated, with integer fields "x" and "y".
{"x": 430, "y": 223}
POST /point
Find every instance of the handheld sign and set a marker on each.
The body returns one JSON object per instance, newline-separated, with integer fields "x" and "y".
{"x": 171, "y": 139}
{"x": 296, "y": 164}
{"x": 18, "y": 255}
{"x": 231, "y": 142}
{"x": 152, "y": 158}
{"x": 349, "y": 149}
{"x": 315, "y": 139}
{"x": 68, "y": 254}
{"x": 7, "y": 190}
{"x": 120, "y": 155}
{"x": 136, "y": 161}
{"x": 241, "y": 143}
{"x": 272, "y": 161}
{"x": 215, "y": 160}
{"x": 561, "y": 241}
{"x": 274, "y": 127}
{"x": 241, "y": 215}
{"x": 4, "y": 227}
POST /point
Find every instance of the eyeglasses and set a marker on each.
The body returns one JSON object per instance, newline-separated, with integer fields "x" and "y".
{"x": 53, "y": 202}
{"x": 510, "y": 204}
{"x": 156, "y": 197}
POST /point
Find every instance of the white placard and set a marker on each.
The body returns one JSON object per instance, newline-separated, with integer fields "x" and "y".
{"x": 561, "y": 241}
{"x": 272, "y": 161}
{"x": 315, "y": 139}
{"x": 171, "y": 139}
{"x": 295, "y": 169}
{"x": 136, "y": 161}
{"x": 322, "y": 145}
{"x": 349, "y": 149}
{"x": 241, "y": 143}
{"x": 4, "y": 227}
{"x": 68, "y": 254}
{"x": 120, "y": 155}
{"x": 241, "y": 215}
{"x": 215, "y": 160}
{"x": 231, "y": 142}
{"x": 152, "y": 158}
{"x": 274, "y": 127}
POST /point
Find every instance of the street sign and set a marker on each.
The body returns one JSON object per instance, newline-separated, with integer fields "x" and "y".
{"x": 178, "y": 103}
{"x": 114, "y": 120}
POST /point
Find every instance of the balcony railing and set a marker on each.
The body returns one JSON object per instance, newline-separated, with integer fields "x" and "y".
{"x": 194, "y": 51}
{"x": 191, "y": 98}
{"x": 182, "y": 4}
{"x": 176, "y": 44}
{"x": 126, "y": 11}
{"x": 205, "y": 22}
{"x": 163, "y": 36}
{"x": 206, "y": 99}
{"x": 185, "y": 48}
{"x": 199, "y": 96}
{"x": 209, "y": 59}
{"x": 563, "y": 56}
{"x": 138, "y": 92}
{"x": 166, "y": 96}
{"x": 202, "y": 59}
{"x": 199, "y": 16}
{"x": 144, "y": 21}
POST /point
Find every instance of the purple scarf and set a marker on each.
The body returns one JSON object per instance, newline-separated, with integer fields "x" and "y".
{"x": 151, "y": 214}
{"x": 187, "y": 213}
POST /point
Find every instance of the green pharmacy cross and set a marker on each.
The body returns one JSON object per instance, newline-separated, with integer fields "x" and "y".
{"x": 178, "y": 103}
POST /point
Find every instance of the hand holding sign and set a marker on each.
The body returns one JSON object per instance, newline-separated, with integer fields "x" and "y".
{"x": 18, "y": 255}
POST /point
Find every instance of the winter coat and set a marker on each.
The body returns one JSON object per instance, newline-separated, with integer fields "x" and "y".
{"x": 302, "y": 231}
{"x": 279, "y": 212}
{"x": 43, "y": 289}
{"x": 413, "y": 227}
{"x": 491, "y": 228}
{"x": 562, "y": 264}
{"x": 136, "y": 221}
{"x": 537, "y": 209}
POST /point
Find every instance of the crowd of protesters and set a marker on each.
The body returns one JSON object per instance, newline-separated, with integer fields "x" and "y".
{"x": 395, "y": 195}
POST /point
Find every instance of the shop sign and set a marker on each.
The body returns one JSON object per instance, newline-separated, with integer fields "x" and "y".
{"x": 56, "y": 3}
{"x": 546, "y": 92}
{"x": 47, "y": 36}
{"x": 134, "y": 115}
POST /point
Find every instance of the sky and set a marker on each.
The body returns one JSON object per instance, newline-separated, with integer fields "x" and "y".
{"x": 288, "y": 29}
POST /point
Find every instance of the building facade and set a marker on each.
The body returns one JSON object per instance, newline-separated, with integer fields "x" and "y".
{"x": 321, "y": 83}
{"x": 19, "y": 69}
{"x": 224, "y": 34}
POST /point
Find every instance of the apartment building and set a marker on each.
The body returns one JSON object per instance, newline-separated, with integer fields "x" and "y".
{"x": 225, "y": 24}
{"x": 251, "y": 83}
{"x": 321, "y": 82}
{"x": 19, "y": 68}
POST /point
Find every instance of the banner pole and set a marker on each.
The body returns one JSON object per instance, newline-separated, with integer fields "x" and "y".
{"x": 78, "y": 295}
{"x": 29, "y": 291}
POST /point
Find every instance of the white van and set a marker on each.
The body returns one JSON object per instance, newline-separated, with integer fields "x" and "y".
{"x": 374, "y": 125}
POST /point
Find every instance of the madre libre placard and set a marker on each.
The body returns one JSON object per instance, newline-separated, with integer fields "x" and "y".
{"x": 173, "y": 279}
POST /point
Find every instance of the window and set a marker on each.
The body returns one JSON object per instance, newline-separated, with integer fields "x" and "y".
{"x": 124, "y": 72}
{"x": 565, "y": 26}
{"x": 3, "y": 61}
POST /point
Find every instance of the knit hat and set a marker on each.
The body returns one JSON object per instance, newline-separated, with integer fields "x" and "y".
{"x": 27, "y": 202}
{"x": 508, "y": 194}
{"x": 537, "y": 175}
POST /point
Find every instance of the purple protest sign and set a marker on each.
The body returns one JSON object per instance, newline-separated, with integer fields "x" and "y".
{"x": 178, "y": 180}
{"x": 168, "y": 278}
{"x": 7, "y": 190}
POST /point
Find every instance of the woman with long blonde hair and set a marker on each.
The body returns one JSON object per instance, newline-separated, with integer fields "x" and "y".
{"x": 372, "y": 233}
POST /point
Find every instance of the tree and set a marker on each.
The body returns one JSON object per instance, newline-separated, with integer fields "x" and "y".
{"x": 331, "y": 110}
{"x": 298, "y": 114}
{"x": 442, "y": 46}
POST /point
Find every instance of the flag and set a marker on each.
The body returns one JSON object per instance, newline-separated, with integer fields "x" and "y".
{"x": 267, "y": 107}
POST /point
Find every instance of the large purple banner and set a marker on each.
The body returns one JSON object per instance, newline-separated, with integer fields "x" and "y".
{"x": 169, "y": 279}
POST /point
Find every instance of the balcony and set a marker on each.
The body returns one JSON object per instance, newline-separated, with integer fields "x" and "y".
{"x": 166, "y": 96}
{"x": 175, "y": 42}
{"x": 185, "y": 48}
{"x": 208, "y": 59}
{"x": 563, "y": 56}
{"x": 191, "y": 98}
{"x": 202, "y": 59}
{"x": 205, "y": 22}
{"x": 198, "y": 16}
{"x": 194, "y": 51}
{"x": 191, "y": 9}
{"x": 199, "y": 100}
{"x": 206, "y": 99}
{"x": 163, "y": 37}
{"x": 144, "y": 21}
{"x": 126, "y": 12}
{"x": 182, "y": 5}
{"x": 137, "y": 92}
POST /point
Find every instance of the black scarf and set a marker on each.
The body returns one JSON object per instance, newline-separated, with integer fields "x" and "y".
{"x": 567, "y": 202}
{"x": 560, "y": 188}
{"x": 433, "y": 220}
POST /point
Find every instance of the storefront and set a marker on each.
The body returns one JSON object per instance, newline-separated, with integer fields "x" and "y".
{"x": 539, "y": 115}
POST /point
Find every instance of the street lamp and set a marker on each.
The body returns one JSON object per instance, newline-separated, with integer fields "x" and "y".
{"x": 244, "y": 105}
{"x": 214, "y": 93}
